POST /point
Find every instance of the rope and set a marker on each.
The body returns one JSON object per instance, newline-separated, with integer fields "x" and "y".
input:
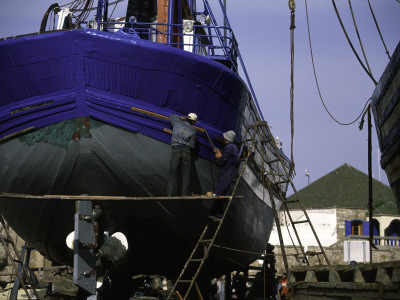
{"x": 316, "y": 80}
{"x": 238, "y": 250}
{"x": 359, "y": 38}
{"x": 292, "y": 27}
{"x": 377, "y": 27}
{"x": 350, "y": 43}
{"x": 109, "y": 18}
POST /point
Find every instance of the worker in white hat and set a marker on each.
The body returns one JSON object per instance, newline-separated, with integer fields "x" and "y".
{"x": 227, "y": 161}
{"x": 182, "y": 143}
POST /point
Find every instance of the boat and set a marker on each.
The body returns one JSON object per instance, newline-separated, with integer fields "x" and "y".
{"x": 386, "y": 106}
{"x": 84, "y": 112}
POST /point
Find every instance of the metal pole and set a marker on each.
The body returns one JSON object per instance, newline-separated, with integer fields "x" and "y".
{"x": 371, "y": 225}
{"x": 170, "y": 20}
{"x": 225, "y": 19}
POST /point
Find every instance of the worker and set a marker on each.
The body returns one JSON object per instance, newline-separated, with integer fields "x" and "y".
{"x": 221, "y": 289}
{"x": 227, "y": 161}
{"x": 182, "y": 143}
{"x": 283, "y": 287}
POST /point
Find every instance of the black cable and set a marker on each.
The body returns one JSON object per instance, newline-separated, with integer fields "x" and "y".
{"x": 359, "y": 37}
{"x": 351, "y": 45}
{"x": 316, "y": 80}
{"x": 377, "y": 27}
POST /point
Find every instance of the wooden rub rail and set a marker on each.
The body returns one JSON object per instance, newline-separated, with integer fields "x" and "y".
{"x": 109, "y": 198}
{"x": 156, "y": 115}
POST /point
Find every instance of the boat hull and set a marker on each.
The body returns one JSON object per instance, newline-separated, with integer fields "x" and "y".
{"x": 85, "y": 112}
{"x": 116, "y": 162}
{"x": 386, "y": 109}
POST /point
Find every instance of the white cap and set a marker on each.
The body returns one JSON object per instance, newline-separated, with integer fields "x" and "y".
{"x": 192, "y": 117}
{"x": 229, "y": 135}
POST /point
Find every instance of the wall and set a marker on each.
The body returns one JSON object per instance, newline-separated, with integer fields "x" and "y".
{"x": 334, "y": 254}
{"x": 323, "y": 221}
{"x": 329, "y": 226}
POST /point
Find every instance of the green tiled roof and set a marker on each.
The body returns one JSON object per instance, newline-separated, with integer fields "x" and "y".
{"x": 347, "y": 187}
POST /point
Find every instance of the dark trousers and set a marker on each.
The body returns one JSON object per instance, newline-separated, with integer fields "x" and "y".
{"x": 180, "y": 157}
{"x": 225, "y": 178}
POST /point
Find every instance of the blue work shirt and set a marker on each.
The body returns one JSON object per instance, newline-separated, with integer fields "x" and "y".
{"x": 229, "y": 158}
{"x": 227, "y": 168}
{"x": 183, "y": 132}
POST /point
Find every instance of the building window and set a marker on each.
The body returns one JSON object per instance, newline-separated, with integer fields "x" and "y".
{"x": 356, "y": 227}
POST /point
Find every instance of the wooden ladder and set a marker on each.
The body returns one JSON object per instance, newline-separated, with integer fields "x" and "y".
{"x": 17, "y": 261}
{"x": 276, "y": 175}
{"x": 207, "y": 239}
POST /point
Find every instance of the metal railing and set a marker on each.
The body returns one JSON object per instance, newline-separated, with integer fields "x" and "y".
{"x": 389, "y": 241}
{"x": 195, "y": 37}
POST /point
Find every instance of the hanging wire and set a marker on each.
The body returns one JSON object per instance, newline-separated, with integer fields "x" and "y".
{"x": 377, "y": 27}
{"x": 316, "y": 80}
{"x": 292, "y": 7}
{"x": 359, "y": 38}
{"x": 115, "y": 6}
{"x": 351, "y": 45}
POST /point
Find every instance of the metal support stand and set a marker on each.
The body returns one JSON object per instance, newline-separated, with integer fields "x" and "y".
{"x": 22, "y": 270}
{"x": 84, "y": 243}
{"x": 23, "y": 258}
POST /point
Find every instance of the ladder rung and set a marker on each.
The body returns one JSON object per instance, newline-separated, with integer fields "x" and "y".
{"x": 281, "y": 182}
{"x": 185, "y": 281}
{"x": 313, "y": 253}
{"x": 196, "y": 259}
{"x": 17, "y": 261}
{"x": 266, "y": 141}
{"x": 274, "y": 174}
{"x": 299, "y": 222}
{"x": 290, "y": 201}
{"x": 206, "y": 240}
{"x": 272, "y": 161}
{"x": 255, "y": 268}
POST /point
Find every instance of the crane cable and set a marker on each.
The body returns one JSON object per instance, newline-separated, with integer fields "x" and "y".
{"x": 292, "y": 7}
{"x": 351, "y": 45}
{"x": 316, "y": 80}
{"x": 377, "y": 27}
{"x": 359, "y": 38}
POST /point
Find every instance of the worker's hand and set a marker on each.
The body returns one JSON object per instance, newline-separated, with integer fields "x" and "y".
{"x": 217, "y": 153}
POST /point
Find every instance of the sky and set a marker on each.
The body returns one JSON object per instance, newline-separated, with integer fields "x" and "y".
{"x": 262, "y": 30}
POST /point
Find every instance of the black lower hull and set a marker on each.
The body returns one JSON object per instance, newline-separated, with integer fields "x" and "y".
{"x": 115, "y": 162}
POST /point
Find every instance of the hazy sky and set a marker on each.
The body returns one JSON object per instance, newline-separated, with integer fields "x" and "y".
{"x": 262, "y": 31}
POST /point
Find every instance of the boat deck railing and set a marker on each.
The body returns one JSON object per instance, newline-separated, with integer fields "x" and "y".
{"x": 215, "y": 42}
